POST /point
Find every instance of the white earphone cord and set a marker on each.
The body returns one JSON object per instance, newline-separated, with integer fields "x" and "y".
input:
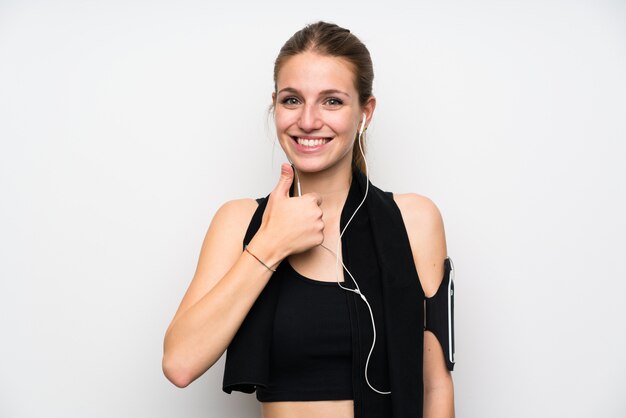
{"x": 358, "y": 290}
{"x": 336, "y": 253}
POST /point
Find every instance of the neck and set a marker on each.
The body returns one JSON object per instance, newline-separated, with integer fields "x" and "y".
{"x": 332, "y": 185}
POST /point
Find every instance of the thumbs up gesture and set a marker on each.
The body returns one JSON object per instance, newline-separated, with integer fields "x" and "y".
{"x": 292, "y": 224}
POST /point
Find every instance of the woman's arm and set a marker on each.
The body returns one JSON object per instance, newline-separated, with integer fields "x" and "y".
{"x": 224, "y": 287}
{"x": 228, "y": 281}
{"x": 428, "y": 243}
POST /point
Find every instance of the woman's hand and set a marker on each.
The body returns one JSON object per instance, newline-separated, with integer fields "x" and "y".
{"x": 291, "y": 224}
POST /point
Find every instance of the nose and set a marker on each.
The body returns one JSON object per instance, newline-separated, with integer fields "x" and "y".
{"x": 310, "y": 118}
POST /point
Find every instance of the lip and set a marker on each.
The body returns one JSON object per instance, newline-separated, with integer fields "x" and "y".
{"x": 309, "y": 149}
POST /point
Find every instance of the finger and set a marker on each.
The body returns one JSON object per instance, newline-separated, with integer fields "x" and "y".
{"x": 285, "y": 181}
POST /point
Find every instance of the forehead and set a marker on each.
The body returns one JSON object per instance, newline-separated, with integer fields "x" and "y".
{"x": 310, "y": 71}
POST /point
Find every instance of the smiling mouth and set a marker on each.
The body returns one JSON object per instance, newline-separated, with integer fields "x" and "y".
{"x": 310, "y": 142}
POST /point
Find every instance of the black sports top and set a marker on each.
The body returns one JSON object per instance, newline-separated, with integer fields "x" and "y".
{"x": 376, "y": 250}
{"x": 311, "y": 348}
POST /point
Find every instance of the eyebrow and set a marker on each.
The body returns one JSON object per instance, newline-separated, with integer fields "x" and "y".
{"x": 323, "y": 92}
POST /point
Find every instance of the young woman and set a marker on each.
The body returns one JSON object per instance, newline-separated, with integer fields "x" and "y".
{"x": 318, "y": 291}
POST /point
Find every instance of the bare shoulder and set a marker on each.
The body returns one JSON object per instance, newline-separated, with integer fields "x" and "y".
{"x": 425, "y": 230}
{"x": 221, "y": 247}
{"x": 227, "y": 230}
{"x": 233, "y": 213}
{"x": 417, "y": 208}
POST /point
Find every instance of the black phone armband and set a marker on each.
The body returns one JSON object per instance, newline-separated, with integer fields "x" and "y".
{"x": 439, "y": 313}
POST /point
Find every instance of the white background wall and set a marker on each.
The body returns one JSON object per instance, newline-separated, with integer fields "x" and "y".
{"x": 125, "y": 124}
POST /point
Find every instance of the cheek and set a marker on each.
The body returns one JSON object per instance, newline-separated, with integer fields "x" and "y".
{"x": 284, "y": 120}
{"x": 340, "y": 123}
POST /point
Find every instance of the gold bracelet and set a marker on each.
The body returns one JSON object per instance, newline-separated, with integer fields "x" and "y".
{"x": 258, "y": 259}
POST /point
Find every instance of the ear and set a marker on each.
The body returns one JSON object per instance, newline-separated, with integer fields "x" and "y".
{"x": 274, "y": 99}
{"x": 368, "y": 109}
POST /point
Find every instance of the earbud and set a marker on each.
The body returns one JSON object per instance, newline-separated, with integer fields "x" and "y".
{"x": 362, "y": 128}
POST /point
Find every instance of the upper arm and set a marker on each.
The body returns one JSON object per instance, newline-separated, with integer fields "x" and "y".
{"x": 424, "y": 227}
{"x": 426, "y": 234}
{"x": 220, "y": 250}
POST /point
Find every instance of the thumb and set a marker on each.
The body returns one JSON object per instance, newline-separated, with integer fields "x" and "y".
{"x": 285, "y": 180}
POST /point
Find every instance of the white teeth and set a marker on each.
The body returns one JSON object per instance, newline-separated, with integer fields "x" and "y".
{"x": 312, "y": 142}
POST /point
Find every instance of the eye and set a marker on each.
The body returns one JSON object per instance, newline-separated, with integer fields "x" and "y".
{"x": 290, "y": 101}
{"x": 333, "y": 101}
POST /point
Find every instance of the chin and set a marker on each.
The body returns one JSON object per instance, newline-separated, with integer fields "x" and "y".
{"x": 305, "y": 166}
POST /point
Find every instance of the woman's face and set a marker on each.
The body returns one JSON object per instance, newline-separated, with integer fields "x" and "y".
{"x": 317, "y": 111}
